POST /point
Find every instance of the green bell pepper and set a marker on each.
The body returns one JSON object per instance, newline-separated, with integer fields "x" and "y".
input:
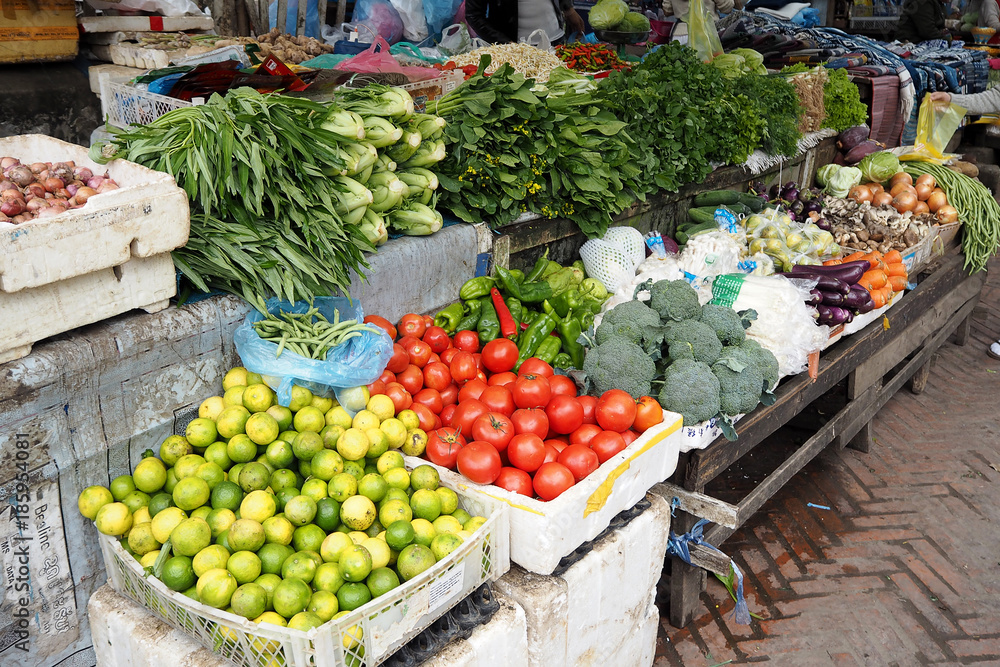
{"x": 561, "y": 280}
{"x": 516, "y": 311}
{"x": 585, "y": 317}
{"x": 536, "y": 273}
{"x": 569, "y": 329}
{"x": 565, "y": 302}
{"x": 548, "y": 350}
{"x": 474, "y": 309}
{"x": 518, "y": 275}
{"x": 550, "y": 268}
{"x": 489, "y": 323}
{"x": 562, "y": 360}
{"x": 539, "y": 330}
{"x": 578, "y": 264}
{"x": 592, "y": 288}
{"x": 526, "y": 292}
{"x": 476, "y": 288}
{"x": 577, "y": 275}
{"x": 527, "y": 317}
{"x": 449, "y": 318}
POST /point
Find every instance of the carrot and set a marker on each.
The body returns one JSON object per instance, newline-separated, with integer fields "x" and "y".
{"x": 897, "y": 269}
{"x": 893, "y": 257}
{"x": 879, "y": 297}
{"x": 875, "y": 259}
{"x": 873, "y": 279}
{"x": 897, "y": 283}
{"x": 853, "y": 257}
{"x": 833, "y": 262}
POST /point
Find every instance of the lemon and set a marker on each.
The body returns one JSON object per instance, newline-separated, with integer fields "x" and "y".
{"x": 389, "y": 460}
{"x": 328, "y": 578}
{"x": 216, "y": 588}
{"x": 92, "y": 499}
{"x": 325, "y": 464}
{"x": 461, "y": 516}
{"x": 165, "y": 521}
{"x": 397, "y": 478}
{"x": 301, "y": 397}
{"x": 141, "y": 515}
{"x": 355, "y": 563}
{"x": 245, "y": 566}
{"x": 338, "y": 416}
{"x": 352, "y": 636}
{"x": 278, "y": 530}
{"x": 409, "y": 419}
{"x": 178, "y": 573}
{"x": 356, "y": 469}
{"x": 174, "y": 447}
{"x": 249, "y": 600}
{"x": 141, "y": 540}
{"x": 268, "y": 581}
{"x": 258, "y": 506}
{"x": 299, "y": 566}
{"x": 379, "y": 551}
{"x": 473, "y": 524}
{"x": 357, "y": 536}
{"x": 373, "y": 487}
{"x": 211, "y": 407}
{"x": 330, "y": 435}
{"x": 121, "y": 486}
{"x": 241, "y": 449}
{"x": 309, "y": 419}
{"x": 305, "y": 621}
{"x": 413, "y": 560}
{"x": 282, "y": 415}
{"x": 258, "y": 397}
{"x": 271, "y": 617}
{"x": 232, "y": 421}
{"x": 423, "y": 532}
{"x": 415, "y": 443}
{"x": 365, "y": 420}
{"x": 234, "y": 396}
{"x": 300, "y": 510}
{"x": 245, "y": 535}
{"x": 395, "y": 494}
{"x": 354, "y": 398}
{"x": 187, "y": 465}
{"x": 190, "y": 536}
{"x": 381, "y": 406}
{"x": 358, "y": 512}
{"x": 262, "y": 428}
{"x": 393, "y": 511}
{"x": 425, "y": 477}
{"x": 394, "y": 431}
{"x": 191, "y": 493}
{"x": 211, "y": 473}
{"x": 444, "y": 543}
{"x": 333, "y": 546}
{"x": 219, "y": 520}
{"x": 342, "y": 486}
{"x": 353, "y": 444}
{"x": 149, "y": 559}
{"x": 211, "y": 557}
{"x": 306, "y": 445}
{"x": 378, "y": 443}
{"x": 449, "y": 500}
{"x": 113, "y": 519}
{"x": 321, "y": 403}
{"x": 324, "y": 605}
{"x": 136, "y": 500}
{"x": 288, "y": 436}
{"x": 446, "y": 524}
{"x": 236, "y": 376}
{"x": 315, "y": 488}
{"x": 201, "y": 432}
{"x": 291, "y": 596}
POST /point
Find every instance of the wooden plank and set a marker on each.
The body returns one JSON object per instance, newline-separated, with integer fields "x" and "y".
{"x": 341, "y": 12}
{"x": 698, "y": 504}
{"x": 686, "y": 581}
{"x": 711, "y": 560}
{"x": 862, "y": 440}
{"x": 300, "y": 23}
{"x": 282, "y": 16}
{"x": 962, "y": 333}
{"x": 321, "y": 7}
{"x": 919, "y": 380}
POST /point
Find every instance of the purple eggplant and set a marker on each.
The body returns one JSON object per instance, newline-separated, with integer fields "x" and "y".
{"x": 859, "y": 299}
{"x": 832, "y": 315}
{"x": 758, "y": 188}
{"x": 815, "y": 298}
{"x": 797, "y": 207}
{"x": 774, "y": 192}
{"x": 833, "y": 298}
{"x": 813, "y": 206}
{"x": 852, "y": 136}
{"x": 849, "y": 272}
{"x": 857, "y": 153}
{"x": 791, "y": 214}
{"x": 824, "y": 283}
{"x": 790, "y": 192}
{"x": 824, "y": 225}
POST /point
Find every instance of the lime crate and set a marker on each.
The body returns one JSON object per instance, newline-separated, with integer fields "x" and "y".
{"x": 364, "y": 638}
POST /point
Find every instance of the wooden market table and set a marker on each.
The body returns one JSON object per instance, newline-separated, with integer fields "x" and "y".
{"x": 875, "y": 362}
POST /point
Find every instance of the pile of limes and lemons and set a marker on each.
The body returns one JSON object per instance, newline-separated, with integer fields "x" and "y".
{"x": 291, "y": 516}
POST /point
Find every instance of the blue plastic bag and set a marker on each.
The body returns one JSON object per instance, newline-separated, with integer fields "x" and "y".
{"x": 357, "y": 362}
{"x": 380, "y": 17}
{"x": 439, "y": 14}
{"x": 292, "y": 17}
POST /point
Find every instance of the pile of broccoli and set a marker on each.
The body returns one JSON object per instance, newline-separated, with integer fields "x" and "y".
{"x": 698, "y": 356}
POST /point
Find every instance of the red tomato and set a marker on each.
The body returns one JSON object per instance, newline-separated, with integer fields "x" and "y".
{"x": 412, "y": 379}
{"x": 463, "y": 367}
{"x": 399, "y": 360}
{"x": 606, "y": 444}
{"x": 551, "y": 454}
{"x": 589, "y": 405}
{"x": 562, "y": 385}
{"x": 467, "y": 413}
{"x": 500, "y": 355}
{"x": 437, "y": 338}
{"x": 531, "y": 391}
{"x": 431, "y": 398}
{"x": 526, "y": 451}
{"x": 437, "y": 376}
{"x": 467, "y": 341}
{"x": 580, "y": 459}
{"x": 582, "y": 435}
{"x": 535, "y": 366}
{"x": 449, "y": 395}
{"x": 502, "y": 379}
{"x": 551, "y": 480}
{"x": 494, "y": 428}
{"x": 412, "y": 324}
{"x": 437, "y": 422}
{"x": 447, "y": 414}
{"x": 382, "y": 323}
{"x": 498, "y": 399}
{"x": 406, "y": 341}
{"x": 420, "y": 354}
{"x": 565, "y": 413}
{"x": 449, "y": 354}
{"x": 401, "y": 399}
{"x": 443, "y": 445}
{"x": 648, "y": 413}
{"x": 514, "y": 480}
{"x": 387, "y": 376}
{"x": 558, "y": 445}
{"x": 435, "y": 358}
{"x": 479, "y": 461}
{"x": 377, "y": 387}
{"x": 427, "y": 419}
{"x": 615, "y": 410}
{"x": 428, "y": 321}
{"x": 472, "y": 389}
{"x": 629, "y": 437}
{"x": 481, "y": 375}
{"x": 531, "y": 420}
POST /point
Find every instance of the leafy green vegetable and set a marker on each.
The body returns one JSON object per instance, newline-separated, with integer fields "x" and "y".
{"x": 842, "y": 100}
{"x": 878, "y": 167}
{"x": 607, "y": 14}
{"x": 634, "y": 22}
{"x": 777, "y": 104}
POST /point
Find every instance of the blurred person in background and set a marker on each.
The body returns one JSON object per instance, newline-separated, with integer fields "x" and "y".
{"x": 499, "y": 21}
{"x": 921, "y": 20}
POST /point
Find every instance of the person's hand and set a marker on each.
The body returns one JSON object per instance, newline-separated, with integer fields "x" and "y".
{"x": 574, "y": 22}
{"x": 943, "y": 98}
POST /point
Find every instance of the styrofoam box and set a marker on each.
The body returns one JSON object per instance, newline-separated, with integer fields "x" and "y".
{"x": 542, "y": 533}
{"x": 589, "y": 615}
{"x": 501, "y": 641}
{"x": 147, "y": 215}
{"x": 32, "y": 314}
{"x": 639, "y": 648}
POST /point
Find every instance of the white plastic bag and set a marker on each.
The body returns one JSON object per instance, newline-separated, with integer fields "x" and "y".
{"x": 160, "y": 7}
{"x": 539, "y": 39}
{"x": 414, "y": 23}
{"x": 455, "y": 39}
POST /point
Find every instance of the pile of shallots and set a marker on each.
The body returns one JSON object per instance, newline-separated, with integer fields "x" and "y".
{"x": 46, "y": 189}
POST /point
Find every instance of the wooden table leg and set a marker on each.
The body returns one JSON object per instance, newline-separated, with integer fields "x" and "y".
{"x": 862, "y": 441}
{"x": 919, "y": 380}
{"x": 686, "y": 581}
{"x": 962, "y": 332}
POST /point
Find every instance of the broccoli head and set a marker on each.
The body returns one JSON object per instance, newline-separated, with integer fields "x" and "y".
{"x": 726, "y": 322}
{"x": 631, "y": 320}
{"x": 765, "y": 360}
{"x": 691, "y": 339}
{"x": 674, "y": 300}
{"x": 691, "y": 390}
{"x": 619, "y": 363}
{"x": 741, "y": 380}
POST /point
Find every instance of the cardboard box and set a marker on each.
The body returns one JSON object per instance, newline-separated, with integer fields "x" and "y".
{"x": 38, "y": 31}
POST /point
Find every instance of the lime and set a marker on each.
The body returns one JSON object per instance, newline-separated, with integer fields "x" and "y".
{"x": 220, "y": 520}
{"x": 473, "y": 524}
{"x": 423, "y": 532}
{"x": 444, "y": 544}
{"x": 370, "y": 467}
{"x": 223, "y": 540}
{"x": 245, "y": 535}
{"x": 378, "y": 443}
{"x": 268, "y": 581}
{"x": 201, "y": 513}
{"x": 394, "y": 431}
{"x": 355, "y": 563}
{"x": 121, "y": 486}
{"x": 381, "y": 581}
{"x": 282, "y": 415}
{"x": 364, "y": 420}
{"x": 262, "y": 428}
{"x": 216, "y": 588}
{"x": 226, "y": 495}
{"x": 395, "y": 494}
{"x": 281, "y": 479}
{"x": 333, "y": 546}
{"x": 201, "y": 432}
{"x": 324, "y": 604}
{"x": 136, "y": 500}
{"x": 190, "y": 536}
{"x": 446, "y": 524}
{"x": 241, "y": 449}
{"x": 426, "y": 504}
{"x": 245, "y": 566}
{"x": 415, "y": 443}
{"x": 322, "y": 403}
{"x": 328, "y": 578}
{"x": 160, "y": 502}
{"x": 168, "y": 487}
{"x": 278, "y": 530}
{"x": 211, "y": 407}
{"x": 390, "y": 460}
{"x": 449, "y": 500}
{"x": 253, "y": 477}
{"x": 150, "y": 475}
{"x": 305, "y": 470}
{"x": 342, "y": 486}
{"x": 211, "y": 473}
{"x": 350, "y": 596}
{"x": 315, "y": 488}
{"x": 300, "y": 510}
{"x": 280, "y": 454}
{"x": 425, "y": 477}
{"x": 375, "y": 529}
{"x": 301, "y": 397}
{"x": 188, "y": 465}
{"x": 233, "y": 473}
{"x": 355, "y": 469}
{"x": 327, "y": 514}
{"x": 299, "y": 566}
{"x": 258, "y": 397}
{"x": 291, "y": 596}
{"x": 306, "y": 445}
{"x": 218, "y": 454}
{"x": 141, "y": 540}
{"x": 235, "y": 377}
{"x": 413, "y": 560}
{"x": 249, "y": 600}
{"x": 262, "y": 459}
{"x": 392, "y": 511}
{"x": 288, "y": 436}
{"x": 398, "y": 478}
{"x": 330, "y": 435}
{"x": 285, "y": 495}
{"x": 178, "y": 573}
{"x": 165, "y": 521}
{"x": 309, "y": 419}
{"x": 325, "y": 464}
{"x": 399, "y": 535}
{"x": 271, "y": 617}
{"x": 113, "y": 519}
{"x": 191, "y": 493}
{"x": 258, "y": 505}
{"x": 338, "y": 416}
{"x": 234, "y": 396}
{"x": 358, "y": 512}
{"x": 353, "y": 444}
{"x": 305, "y": 621}
{"x": 409, "y": 419}
{"x": 308, "y": 538}
{"x": 379, "y": 551}
{"x": 272, "y": 556}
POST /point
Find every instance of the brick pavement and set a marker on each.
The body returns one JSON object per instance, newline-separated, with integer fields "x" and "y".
{"x": 904, "y": 569}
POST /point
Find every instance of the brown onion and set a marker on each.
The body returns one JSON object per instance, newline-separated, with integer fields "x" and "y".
{"x": 85, "y": 193}
{"x": 24, "y": 217}
{"x": 902, "y": 187}
{"x": 924, "y": 191}
{"x": 36, "y": 204}
{"x": 53, "y": 184}
{"x": 927, "y": 179}
{"x": 937, "y": 199}
{"x": 8, "y": 162}
{"x": 11, "y": 207}
{"x": 921, "y": 208}
{"x": 875, "y": 188}
{"x": 21, "y": 176}
{"x": 947, "y": 215}
{"x": 11, "y": 194}
{"x": 42, "y": 175}
{"x": 882, "y": 199}
{"x": 73, "y": 203}
{"x": 4, "y": 218}
{"x": 900, "y": 177}
{"x": 63, "y": 193}
{"x": 904, "y": 201}
{"x": 58, "y": 201}
{"x": 35, "y": 189}
{"x": 860, "y": 193}
{"x": 39, "y": 167}
{"x": 107, "y": 186}
{"x": 83, "y": 173}
{"x": 50, "y": 212}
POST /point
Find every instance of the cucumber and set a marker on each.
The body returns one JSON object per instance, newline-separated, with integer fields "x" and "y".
{"x": 716, "y": 198}
{"x": 755, "y": 204}
{"x": 740, "y": 209}
{"x": 702, "y": 215}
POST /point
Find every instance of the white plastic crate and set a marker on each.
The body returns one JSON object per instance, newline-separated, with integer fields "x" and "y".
{"x": 386, "y": 622}
{"x": 542, "y": 533}
{"x": 123, "y": 104}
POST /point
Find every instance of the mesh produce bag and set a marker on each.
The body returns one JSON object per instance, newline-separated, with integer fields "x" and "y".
{"x": 613, "y": 259}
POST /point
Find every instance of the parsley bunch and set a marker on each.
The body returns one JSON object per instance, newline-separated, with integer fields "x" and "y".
{"x": 777, "y": 104}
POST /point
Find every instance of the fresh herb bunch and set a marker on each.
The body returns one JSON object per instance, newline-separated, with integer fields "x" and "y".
{"x": 778, "y": 105}
{"x": 254, "y": 167}
{"x": 842, "y": 100}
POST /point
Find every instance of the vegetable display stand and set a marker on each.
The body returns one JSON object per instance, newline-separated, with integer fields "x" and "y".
{"x": 856, "y": 377}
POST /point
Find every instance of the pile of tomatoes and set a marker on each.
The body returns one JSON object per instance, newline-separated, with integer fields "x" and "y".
{"x": 526, "y": 431}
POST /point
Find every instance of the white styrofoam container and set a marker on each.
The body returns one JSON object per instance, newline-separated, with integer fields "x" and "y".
{"x": 639, "y": 649}
{"x": 31, "y": 314}
{"x": 589, "y": 614}
{"x": 542, "y": 533}
{"x": 147, "y": 215}
{"x": 502, "y": 641}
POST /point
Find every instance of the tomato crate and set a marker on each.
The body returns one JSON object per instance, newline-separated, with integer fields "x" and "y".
{"x": 363, "y": 638}
{"x": 542, "y": 533}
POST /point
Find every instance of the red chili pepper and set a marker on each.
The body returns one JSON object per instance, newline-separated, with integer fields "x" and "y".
{"x": 508, "y": 327}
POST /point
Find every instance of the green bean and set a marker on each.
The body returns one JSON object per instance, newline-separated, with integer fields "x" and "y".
{"x": 309, "y": 334}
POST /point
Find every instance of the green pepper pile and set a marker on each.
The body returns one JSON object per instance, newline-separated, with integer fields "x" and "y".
{"x": 544, "y": 312}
